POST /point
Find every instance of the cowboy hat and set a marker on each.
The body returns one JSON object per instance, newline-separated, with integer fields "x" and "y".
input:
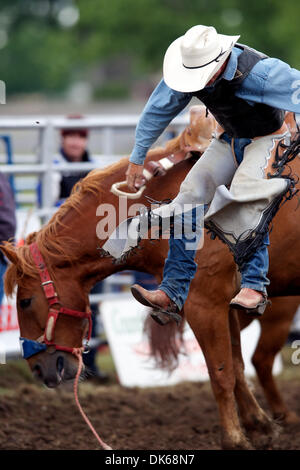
{"x": 193, "y": 59}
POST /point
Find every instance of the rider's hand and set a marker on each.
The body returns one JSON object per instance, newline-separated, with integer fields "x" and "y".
{"x": 134, "y": 176}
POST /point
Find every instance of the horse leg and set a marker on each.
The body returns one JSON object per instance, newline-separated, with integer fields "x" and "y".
{"x": 275, "y": 326}
{"x": 259, "y": 427}
{"x": 211, "y": 329}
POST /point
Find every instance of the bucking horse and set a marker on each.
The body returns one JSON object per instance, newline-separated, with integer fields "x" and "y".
{"x": 57, "y": 266}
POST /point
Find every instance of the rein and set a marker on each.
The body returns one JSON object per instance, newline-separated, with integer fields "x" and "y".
{"x": 78, "y": 354}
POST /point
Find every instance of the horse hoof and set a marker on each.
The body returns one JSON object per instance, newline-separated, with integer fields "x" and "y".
{"x": 287, "y": 418}
{"x": 266, "y": 437}
{"x": 242, "y": 444}
{"x": 235, "y": 441}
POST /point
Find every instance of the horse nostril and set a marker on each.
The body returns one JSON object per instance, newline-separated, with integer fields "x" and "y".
{"x": 60, "y": 365}
{"x": 37, "y": 372}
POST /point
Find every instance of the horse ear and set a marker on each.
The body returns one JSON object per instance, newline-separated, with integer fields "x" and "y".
{"x": 9, "y": 250}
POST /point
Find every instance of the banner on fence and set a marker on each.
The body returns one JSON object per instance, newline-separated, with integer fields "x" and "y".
{"x": 9, "y": 328}
{"x": 27, "y": 222}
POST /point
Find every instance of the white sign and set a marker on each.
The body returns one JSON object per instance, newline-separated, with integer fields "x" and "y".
{"x": 123, "y": 322}
{"x": 9, "y": 328}
{"x": 27, "y": 222}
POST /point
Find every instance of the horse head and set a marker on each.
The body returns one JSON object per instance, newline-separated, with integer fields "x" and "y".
{"x": 48, "y": 342}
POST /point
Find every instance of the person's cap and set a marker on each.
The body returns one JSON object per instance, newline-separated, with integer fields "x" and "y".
{"x": 193, "y": 59}
{"x": 84, "y": 132}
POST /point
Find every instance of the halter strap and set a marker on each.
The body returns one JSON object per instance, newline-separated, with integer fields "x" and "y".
{"x": 47, "y": 283}
{"x": 31, "y": 347}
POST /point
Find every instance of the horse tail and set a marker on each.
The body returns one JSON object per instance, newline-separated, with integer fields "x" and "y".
{"x": 166, "y": 342}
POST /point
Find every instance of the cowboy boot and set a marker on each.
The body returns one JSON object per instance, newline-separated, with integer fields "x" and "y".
{"x": 251, "y": 301}
{"x": 164, "y": 309}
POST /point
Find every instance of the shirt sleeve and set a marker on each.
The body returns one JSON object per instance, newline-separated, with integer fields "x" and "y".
{"x": 163, "y": 105}
{"x": 275, "y": 83}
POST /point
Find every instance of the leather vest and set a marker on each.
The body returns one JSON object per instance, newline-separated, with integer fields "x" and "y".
{"x": 236, "y": 115}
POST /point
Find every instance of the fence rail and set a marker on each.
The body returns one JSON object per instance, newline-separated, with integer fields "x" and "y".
{"x": 41, "y": 167}
{"x": 89, "y": 122}
{"x": 46, "y": 127}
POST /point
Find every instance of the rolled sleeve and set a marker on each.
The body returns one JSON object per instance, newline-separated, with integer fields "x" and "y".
{"x": 138, "y": 155}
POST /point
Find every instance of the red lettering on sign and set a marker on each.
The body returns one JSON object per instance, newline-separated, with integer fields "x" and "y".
{"x": 8, "y": 318}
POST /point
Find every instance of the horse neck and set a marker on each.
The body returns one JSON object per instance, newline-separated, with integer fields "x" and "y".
{"x": 77, "y": 234}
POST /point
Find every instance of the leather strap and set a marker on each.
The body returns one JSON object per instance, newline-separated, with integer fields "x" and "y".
{"x": 47, "y": 283}
{"x": 52, "y": 298}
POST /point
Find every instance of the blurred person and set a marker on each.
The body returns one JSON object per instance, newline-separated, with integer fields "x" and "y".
{"x": 7, "y": 223}
{"x": 248, "y": 93}
{"x": 73, "y": 149}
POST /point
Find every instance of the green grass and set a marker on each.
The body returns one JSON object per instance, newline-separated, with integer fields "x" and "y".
{"x": 105, "y": 362}
{"x": 6, "y": 391}
{"x": 16, "y": 372}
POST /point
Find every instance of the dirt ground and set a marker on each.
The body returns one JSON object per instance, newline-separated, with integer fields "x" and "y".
{"x": 178, "y": 417}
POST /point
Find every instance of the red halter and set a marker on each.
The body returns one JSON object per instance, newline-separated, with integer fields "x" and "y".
{"x": 52, "y": 298}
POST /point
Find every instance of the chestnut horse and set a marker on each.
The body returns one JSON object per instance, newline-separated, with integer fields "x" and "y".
{"x": 70, "y": 248}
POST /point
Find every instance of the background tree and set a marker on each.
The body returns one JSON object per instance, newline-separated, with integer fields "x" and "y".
{"x": 46, "y": 45}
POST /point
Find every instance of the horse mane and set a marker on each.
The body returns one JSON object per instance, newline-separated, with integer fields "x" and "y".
{"x": 17, "y": 270}
{"x": 94, "y": 184}
{"x": 61, "y": 248}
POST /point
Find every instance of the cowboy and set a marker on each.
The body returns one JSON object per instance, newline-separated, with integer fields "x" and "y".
{"x": 247, "y": 93}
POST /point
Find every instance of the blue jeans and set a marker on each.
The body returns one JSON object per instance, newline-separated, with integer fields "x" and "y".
{"x": 254, "y": 272}
{"x": 180, "y": 268}
{"x": 3, "y": 266}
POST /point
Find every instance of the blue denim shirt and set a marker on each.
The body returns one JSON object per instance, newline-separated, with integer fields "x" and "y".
{"x": 271, "y": 81}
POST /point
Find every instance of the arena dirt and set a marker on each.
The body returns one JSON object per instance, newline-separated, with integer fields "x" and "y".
{"x": 178, "y": 417}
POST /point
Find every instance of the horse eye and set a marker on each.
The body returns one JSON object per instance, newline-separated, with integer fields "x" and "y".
{"x": 24, "y": 303}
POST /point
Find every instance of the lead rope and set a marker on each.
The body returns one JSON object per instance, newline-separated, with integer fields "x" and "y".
{"x": 78, "y": 353}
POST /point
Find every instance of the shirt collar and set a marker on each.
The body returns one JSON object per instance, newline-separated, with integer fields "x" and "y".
{"x": 231, "y": 67}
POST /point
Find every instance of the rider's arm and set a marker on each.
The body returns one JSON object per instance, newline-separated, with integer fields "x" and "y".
{"x": 273, "y": 82}
{"x": 163, "y": 105}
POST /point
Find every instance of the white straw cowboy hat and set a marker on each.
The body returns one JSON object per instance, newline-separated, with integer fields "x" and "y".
{"x": 193, "y": 59}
